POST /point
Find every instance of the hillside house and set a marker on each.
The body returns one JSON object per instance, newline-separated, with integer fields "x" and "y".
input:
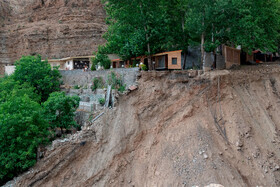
{"x": 71, "y": 63}
{"x": 171, "y": 60}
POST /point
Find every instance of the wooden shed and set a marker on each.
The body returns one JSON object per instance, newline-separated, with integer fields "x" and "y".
{"x": 169, "y": 60}
{"x": 172, "y": 60}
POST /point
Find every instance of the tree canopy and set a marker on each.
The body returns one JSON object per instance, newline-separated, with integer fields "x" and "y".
{"x": 60, "y": 110}
{"x": 39, "y": 74}
{"x": 26, "y": 121}
{"x": 22, "y": 129}
{"x": 143, "y": 27}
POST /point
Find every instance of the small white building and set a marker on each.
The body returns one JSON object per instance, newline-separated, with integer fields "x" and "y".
{"x": 10, "y": 69}
{"x": 71, "y": 63}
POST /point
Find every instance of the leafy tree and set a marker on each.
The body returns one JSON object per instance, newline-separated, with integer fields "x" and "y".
{"x": 9, "y": 87}
{"x": 101, "y": 59}
{"x": 59, "y": 110}
{"x": 253, "y": 24}
{"x": 135, "y": 31}
{"x": 39, "y": 74}
{"x": 176, "y": 33}
{"x": 22, "y": 129}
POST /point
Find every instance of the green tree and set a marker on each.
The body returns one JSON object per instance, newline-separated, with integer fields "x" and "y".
{"x": 39, "y": 74}
{"x": 176, "y": 32}
{"x": 9, "y": 87}
{"x": 22, "y": 129}
{"x": 60, "y": 110}
{"x": 253, "y": 24}
{"x": 102, "y": 59}
{"x": 136, "y": 27}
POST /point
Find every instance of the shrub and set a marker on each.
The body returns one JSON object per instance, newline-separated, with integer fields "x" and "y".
{"x": 76, "y": 87}
{"x": 122, "y": 88}
{"x": 94, "y": 64}
{"x": 134, "y": 63}
{"x": 143, "y": 67}
{"x": 22, "y": 129}
{"x": 98, "y": 82}
{"x": 39, "y": 74}
{"x": 101, "y": 101}
{"x": 115, "y": 80}
{"x": 60, "y": 110}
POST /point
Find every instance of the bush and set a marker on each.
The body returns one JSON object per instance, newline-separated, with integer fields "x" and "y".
{"x": 143, "y": 67}
{"x": 134, "y": 63}
{"x": 98, "y": 82}
{"x": 39, "y": 74}
{"x": 115, "y": 80}
{"x": 101, "y": 101}
{"x": 76, "y": 87}
{"x": 22, "y": 129}
{"x": 60, "y": 110}
{"x": 93, "y": 67}
{"x": 122, "y": 88}
{"x": 101, "y": 59}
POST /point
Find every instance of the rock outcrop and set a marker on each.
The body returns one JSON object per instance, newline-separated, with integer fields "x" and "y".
{"x": 52, "y": 28}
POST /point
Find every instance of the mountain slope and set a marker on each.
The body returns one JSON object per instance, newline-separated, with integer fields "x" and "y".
{"x": 164, "y": 134}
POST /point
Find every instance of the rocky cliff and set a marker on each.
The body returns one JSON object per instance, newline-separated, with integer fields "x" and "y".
{"x": 52, "y": 28}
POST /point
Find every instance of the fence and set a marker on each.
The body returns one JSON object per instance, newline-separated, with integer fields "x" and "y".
{"x": 232, "y": 56}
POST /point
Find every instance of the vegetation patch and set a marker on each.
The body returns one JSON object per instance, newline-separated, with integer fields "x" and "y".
{"x": 98, "y": 83}
{"x": 116, "y": 81}
{"x": 31, "y": 108}
{"x": 101, "y": 101}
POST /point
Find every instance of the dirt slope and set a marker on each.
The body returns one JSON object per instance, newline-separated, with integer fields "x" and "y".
{"x": 165, "y": 134}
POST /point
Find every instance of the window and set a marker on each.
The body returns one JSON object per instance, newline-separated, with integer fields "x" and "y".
{"x": 174, "y": 61}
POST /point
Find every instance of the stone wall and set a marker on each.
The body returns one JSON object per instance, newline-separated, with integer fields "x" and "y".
{"x": 81, "y": 78}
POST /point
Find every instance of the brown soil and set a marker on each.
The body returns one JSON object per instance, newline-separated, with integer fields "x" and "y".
{"x": 164, "y": 134}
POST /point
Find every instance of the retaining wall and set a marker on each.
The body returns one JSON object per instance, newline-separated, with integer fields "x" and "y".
{"x": 81, "y": 78}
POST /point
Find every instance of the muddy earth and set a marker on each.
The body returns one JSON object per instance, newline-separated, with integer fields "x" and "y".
{"x": 221, "y": 127}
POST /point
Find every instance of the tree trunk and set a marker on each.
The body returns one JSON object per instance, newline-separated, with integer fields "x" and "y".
{"x": 185, "y": 60}
{"x": 150, "y": 65}
{"x": 184, "y": 39}
{"x": 202, "y": 49}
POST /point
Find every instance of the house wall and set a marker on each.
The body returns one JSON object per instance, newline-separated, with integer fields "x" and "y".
{"x": 179, "y": 60}
{"x": 69, "y": 65}
{"x": 249, "y": 57}
{"x": 10, "y": 70}
{"x": 116, "y": 64}
{"x": 60, "y": 64}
